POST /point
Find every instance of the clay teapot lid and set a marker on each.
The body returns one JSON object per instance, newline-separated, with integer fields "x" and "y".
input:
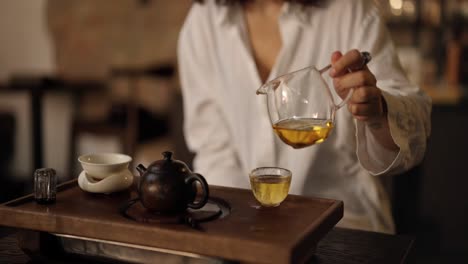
{"x": 168, "y": 165}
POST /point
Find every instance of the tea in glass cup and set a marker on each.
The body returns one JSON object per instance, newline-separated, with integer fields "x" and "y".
{"x": 270, "y": 185}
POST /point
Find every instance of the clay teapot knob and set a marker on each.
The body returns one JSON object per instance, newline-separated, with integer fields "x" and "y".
{"x": 167, "y": 155}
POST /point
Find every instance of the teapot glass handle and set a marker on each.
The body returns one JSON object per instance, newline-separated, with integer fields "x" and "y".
{"x": 350, "y": 93}
{"x": 365, "y": 58}
{"x": 204, "y": 185}
{"x": 348, "y": 96}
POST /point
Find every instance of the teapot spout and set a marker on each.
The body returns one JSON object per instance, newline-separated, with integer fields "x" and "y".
{"x": 263, "y": 89}
{"x": 271, "y": 85}
{"x": 141, "y": 169}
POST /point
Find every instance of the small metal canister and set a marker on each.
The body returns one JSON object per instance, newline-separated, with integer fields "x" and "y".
{"x": 45, "y": 185}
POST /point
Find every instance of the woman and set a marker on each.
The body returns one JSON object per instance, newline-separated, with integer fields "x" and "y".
{"x": 227, "y": 49}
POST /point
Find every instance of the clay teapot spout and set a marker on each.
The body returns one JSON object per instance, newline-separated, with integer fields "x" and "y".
{"x": 141, "y": 169}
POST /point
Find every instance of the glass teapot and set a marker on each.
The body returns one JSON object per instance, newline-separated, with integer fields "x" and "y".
{"x": 301, "y": 105}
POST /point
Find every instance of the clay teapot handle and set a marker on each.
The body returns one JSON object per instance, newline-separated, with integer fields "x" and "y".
{"x": 197, "y": 177}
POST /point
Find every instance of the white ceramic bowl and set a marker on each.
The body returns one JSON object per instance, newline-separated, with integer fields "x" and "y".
{"x": 101, "y": 165}
{"x": 113, "y": 183}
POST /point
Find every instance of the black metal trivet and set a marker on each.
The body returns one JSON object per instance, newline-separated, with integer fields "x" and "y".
{"x": 214, "y": 209}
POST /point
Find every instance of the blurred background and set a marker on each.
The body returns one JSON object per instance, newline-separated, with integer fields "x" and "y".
{"x": 81, "y": 76}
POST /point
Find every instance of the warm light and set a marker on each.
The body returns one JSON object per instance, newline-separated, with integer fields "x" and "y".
{"x": 396, "y": 7}
{"x": 396, "y": 4}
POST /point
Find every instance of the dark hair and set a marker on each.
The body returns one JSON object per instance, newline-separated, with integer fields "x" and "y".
{"x": 232, "y": 2}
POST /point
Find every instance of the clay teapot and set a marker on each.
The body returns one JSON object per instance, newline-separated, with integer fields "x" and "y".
{"x": 167, "y": 186}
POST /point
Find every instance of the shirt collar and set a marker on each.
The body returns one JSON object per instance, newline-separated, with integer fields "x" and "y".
{"x": 227, "y": 15}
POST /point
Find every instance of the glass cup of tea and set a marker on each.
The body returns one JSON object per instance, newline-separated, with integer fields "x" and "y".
{"x": 270, "y": 185}
{"x": 302, "y": 106}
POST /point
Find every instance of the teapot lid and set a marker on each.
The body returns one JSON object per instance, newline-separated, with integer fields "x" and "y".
{"x": 167, "y": 164}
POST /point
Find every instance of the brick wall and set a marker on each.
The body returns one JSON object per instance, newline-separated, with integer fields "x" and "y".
{"x": 92, "y": 36}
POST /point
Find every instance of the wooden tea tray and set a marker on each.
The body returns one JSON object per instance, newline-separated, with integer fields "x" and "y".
{"x": 285, "y": 234}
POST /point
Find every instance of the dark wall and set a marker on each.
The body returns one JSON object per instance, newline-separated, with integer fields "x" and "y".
{"x": 443, "y": 192}
{"x": 7, "y": 132}
{"x": 9, "y": 188}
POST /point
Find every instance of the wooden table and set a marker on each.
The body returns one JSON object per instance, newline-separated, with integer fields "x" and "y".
{"x": 339, "y": 246}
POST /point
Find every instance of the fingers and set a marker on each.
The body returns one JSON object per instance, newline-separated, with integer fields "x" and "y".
{"x": 366, "y": 95}
{"x": 363, "y": 94}
{"x": 336, "y": 56}
{"x": 366, "y": 111}
{"x": 343, "y": 63}
{"x": 354, "y": 79}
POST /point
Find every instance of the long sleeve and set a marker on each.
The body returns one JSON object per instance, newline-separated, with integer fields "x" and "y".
{"x": 205, "y": 127}
{"x": 408, "y": 107}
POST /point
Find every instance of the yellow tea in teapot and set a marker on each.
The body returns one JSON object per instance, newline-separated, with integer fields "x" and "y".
{"x": 270, "y": 190}
{"x": 303, "y": 132}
